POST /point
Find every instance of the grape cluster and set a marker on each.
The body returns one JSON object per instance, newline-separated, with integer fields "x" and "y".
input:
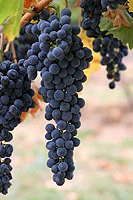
{"x": 111, "y": 49}
{"x": 60, "y": 56}
{"x": 112, "y": 4}
{"x": 91, "y": 13}
{"x": 21, "y": 44}
{"x": 5, "y": 175}
{"x": 15, "y": 98}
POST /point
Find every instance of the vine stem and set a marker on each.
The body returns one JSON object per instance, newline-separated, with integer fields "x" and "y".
{"x": 36, "y": 8}
{"x": 28, "y": 10}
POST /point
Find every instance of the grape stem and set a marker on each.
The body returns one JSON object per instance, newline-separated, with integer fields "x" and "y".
{"x": 66, "y": 3}
{"x": 36, "y": 8}
{"x": 1, "y": 46}
{"x": 55, "y": 8}
{"x": 13, "y": 52}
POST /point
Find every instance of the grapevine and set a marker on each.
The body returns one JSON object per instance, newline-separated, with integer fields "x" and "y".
{"x": 46, "y": 42}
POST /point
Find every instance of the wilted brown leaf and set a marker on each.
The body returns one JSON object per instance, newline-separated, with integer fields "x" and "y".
{"x": 119, "y": 18}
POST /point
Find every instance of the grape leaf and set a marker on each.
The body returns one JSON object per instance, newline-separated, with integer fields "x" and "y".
{"x": 123, "y": 33}
{"x": 105, "y": 23}
{"x": 10, "y": 17}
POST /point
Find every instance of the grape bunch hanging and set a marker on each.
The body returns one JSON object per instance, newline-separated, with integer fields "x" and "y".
{"x": 15, "y": 97}
{"x": 111, "y": 49}
{"x": 50, "y": 45}
{"x": 60, "y": 56}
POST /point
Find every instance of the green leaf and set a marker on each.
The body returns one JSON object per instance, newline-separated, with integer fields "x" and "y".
{"x": 105, "y": 24}
{"x": 10, "y": 17}
{"x": 125, "y": 34}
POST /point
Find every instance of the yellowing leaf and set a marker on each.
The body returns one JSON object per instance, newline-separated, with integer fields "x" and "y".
{"x": 95, "y": 64}
{"x": 10, "y": 17}
{"x": 130, "y": 4}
